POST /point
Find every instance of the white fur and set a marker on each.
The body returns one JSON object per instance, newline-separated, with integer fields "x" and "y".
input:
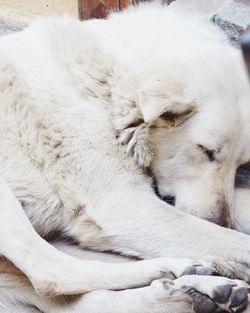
{"x": 67, "y": 89}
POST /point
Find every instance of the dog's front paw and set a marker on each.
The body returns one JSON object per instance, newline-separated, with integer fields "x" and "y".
{"x": 233, "y": 270}
{"x": 137, "y": 144}
{"x": 214, "y": 294}
{"x": 229, "y": 269}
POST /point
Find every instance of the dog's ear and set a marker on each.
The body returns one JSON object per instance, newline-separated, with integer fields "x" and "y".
{"x": 159, "y": 105}
{"x": 168, "y": 102}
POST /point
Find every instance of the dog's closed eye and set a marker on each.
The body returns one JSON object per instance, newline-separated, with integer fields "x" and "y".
{"x": 210, "y": 154}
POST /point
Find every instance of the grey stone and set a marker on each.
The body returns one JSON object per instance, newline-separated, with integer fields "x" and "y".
{"x": 205, "y": 8}
{"x": 232, "y": 16}
{"x": 234, "y": 19}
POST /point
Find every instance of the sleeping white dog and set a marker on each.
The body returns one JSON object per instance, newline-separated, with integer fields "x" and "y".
{"x": 85, "y": 108}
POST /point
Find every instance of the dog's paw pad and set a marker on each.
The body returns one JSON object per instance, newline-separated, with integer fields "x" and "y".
{"x": 227, "y": 295}
{"x": 199, "y": 270}
{"x": 239, "y": 300}
{"x": 224, "y": 299}
{"x": 202, "y": 303}
{"x": 230, "y": 298}
{"x": 222, "y": 293}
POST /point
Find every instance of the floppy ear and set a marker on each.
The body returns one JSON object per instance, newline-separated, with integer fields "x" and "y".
{"x": 155, "y": 100}
{"x": 168, "y": 102}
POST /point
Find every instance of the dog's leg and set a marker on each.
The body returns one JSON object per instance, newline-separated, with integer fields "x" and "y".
{"x": 53, "y": 272}
{"x": 188, "y": 294}
{"x": 137, "y": 221}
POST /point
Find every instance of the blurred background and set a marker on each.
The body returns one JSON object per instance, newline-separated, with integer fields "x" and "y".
{"x": 21, "y": 12}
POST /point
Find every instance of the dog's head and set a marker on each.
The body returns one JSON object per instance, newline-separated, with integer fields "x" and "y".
{"x": 196, "y": 109}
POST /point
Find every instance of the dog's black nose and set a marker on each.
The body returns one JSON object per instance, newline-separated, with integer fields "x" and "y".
{"x": 245, "y": 46}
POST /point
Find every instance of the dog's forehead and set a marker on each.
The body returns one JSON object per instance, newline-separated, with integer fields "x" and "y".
{"x": 221, "y": 125}
{"x": 225, "y": 102}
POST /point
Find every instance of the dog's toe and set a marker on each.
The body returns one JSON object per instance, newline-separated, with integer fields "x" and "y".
{"x": 231, "y": 298}
{"x": 202, "y": 303}
{"x": 222, "y": 293}
{"x": 199, "y": 270}
{"x": 239, "y": 299}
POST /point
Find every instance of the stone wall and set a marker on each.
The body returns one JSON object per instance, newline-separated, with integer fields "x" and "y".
{"x": 234, "y": 19}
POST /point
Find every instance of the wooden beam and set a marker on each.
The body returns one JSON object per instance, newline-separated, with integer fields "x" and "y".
{"x": 100, "y": 8}
{"x": 124, "y": 3}
{"x": 96, "y": 8}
